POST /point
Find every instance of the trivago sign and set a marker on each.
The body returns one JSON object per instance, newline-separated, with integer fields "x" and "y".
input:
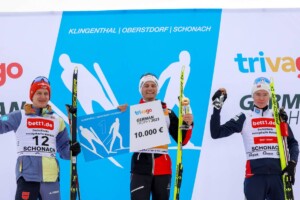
{"x": 262, "y": 63}
{"x": 12, "y": 70}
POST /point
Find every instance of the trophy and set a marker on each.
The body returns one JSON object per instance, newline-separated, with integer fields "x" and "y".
{"x": 185, "y": 103}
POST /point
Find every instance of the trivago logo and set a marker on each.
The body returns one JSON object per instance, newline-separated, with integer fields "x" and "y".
{"x": 262, "y": 63}
{"x": 13, "y": 70}
{"x": 140, "y": 112}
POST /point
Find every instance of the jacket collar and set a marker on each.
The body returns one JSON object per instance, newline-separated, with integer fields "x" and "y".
{"x": 31, "y": 110}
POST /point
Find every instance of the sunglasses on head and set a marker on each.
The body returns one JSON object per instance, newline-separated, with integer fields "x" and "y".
{"x": 262, "y": 80}
{"x": 41, "y": 79}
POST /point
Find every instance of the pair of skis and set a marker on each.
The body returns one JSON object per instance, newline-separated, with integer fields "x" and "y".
{"x": 179, "y": 166}
{"x": 282, "y": 145}
{"x": 72, "y": 115}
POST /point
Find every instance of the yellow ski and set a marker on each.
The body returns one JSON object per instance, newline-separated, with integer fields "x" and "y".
{"x": 287, "y": 186}
{"x": 179, "y": 167}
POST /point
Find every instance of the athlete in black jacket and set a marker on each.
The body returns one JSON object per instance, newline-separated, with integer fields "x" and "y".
{"x": 151, "y": 172}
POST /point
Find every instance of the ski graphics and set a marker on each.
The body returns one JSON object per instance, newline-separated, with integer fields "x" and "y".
{"x": 72, "y": 115}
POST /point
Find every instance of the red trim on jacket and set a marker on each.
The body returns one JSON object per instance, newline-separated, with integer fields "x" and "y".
{"x": 248, "y": 170}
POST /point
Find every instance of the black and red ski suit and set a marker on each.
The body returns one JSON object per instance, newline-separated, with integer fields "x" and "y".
{"x": 151, "y": 172}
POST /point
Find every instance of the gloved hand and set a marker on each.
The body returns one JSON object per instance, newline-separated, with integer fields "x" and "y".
{"x": 282, "y": 114}
{"x": 219, "y": 98}
{"x": 290, "y": 170}
{"x": 75, "y": 148}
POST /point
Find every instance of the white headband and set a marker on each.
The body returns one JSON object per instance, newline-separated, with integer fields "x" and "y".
{"x": 146, "y": 78}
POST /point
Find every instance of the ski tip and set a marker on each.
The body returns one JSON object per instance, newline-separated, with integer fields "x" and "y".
{"x": 182, "y": 68}
{"x": 75, "y": 69}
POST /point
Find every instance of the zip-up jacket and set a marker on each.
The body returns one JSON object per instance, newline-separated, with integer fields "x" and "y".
{"x": 257, "y": 128}
{"x": 40, "y": 134}
{"x": 156, "y": 163}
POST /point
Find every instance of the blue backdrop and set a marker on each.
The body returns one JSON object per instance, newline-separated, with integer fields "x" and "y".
{"x": 112, "y": 50}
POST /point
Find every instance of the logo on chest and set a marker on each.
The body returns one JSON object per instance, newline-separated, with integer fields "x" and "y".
{"x": 40, "y": 123}
{"x": 263, "y": 123}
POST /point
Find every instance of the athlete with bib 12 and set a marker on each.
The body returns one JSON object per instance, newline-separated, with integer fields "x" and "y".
{"x": 40, "y": 135}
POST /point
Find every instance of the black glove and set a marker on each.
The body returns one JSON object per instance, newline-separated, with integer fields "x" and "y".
{"x": 75, "y": 148}
{"x": 282, "y": 114}
{"x": 219, "y": 99}
{"x": 290, "y": 171}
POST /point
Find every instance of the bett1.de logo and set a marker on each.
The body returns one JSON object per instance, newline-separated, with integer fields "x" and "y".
{"x": 12, "y": 70}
